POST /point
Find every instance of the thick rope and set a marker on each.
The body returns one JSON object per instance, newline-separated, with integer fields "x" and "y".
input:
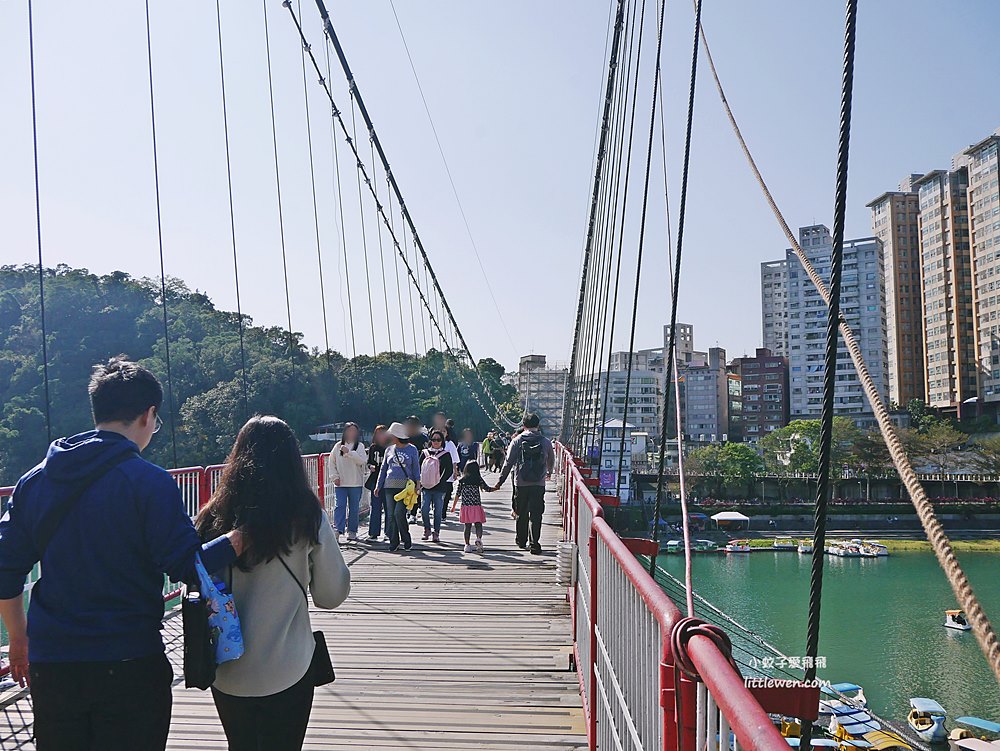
{"x": 981, "y": 627}
{"x": 38, "y": 226}
{"x": 159, "y": 240}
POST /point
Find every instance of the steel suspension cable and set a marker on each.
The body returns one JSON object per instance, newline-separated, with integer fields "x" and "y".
{"x": 670, "y": 353}
{"x": 981, "y": 626}
{"x": 340, "y": 211}
{"x": 232, "y": 215}
{"x": 399, "y": 291}
{"x": 315, "y": 208}
{"x": 381, "y": 251}
{"x": 364, "y": 234}
{"x": 830, "y": 354}
{"x": 159, "y": 240}
{"x": 38, "y": 225}
{"x": 642, "y": 220}
{"x": 571, "y": 385}
{"x": 332, "y": 34}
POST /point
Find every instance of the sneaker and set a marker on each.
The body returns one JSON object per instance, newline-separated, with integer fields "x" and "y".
{"x": 523, "y": 545}
{"x": 393, "y": 548}
{"x": 468, "y": 548}
{"x": 340, "y": 538}
{"x": 352, "y": 536}
{"x": 537, "y": 550}
{"x": 385, "y": 538}
{"x": 437, "y": 537}
{"x": 407, "y": 545}
{"x": 427, "y": 535}
{"x": 479, "y": 544}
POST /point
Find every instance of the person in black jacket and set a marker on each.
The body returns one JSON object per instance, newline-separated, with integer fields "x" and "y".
{"x": 379, "y": 508}
{"x": 436, "y": 465}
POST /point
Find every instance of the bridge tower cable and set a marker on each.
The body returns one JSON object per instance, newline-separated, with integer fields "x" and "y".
{"x": 434, "y": 320}
{"x": 830, "y": 354}
{"x": 642, "y": 226}
{"x": 359, "y": 100}
{"x": 38, "y": 225}
{"x": 315, "y": 217}
{"x": 232, "y": 216}
{"x": 619, "y": 244}
{"x": 570, "y": 411}
{"x": 670, "y": 353}
{"x": 159, "y": 240}
{"x": 364, "y": 234}
{"x": 338, "y": 190}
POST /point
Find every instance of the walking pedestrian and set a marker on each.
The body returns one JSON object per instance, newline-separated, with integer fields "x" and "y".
{"x": 472, "y": 513}
{"x": 532, "y": 455}
{"x": 487, "y": 449}
{"x": 499, "y": 450}
{"x": 349, "y": 462}
{"x": 400, "y": 464}
{"x": 443, "y": 422}
{"x": 379, "y": 508}
{"x": 264, "y": 699}
{"x": 468, "y": 450}
{"x": 106, "y": 526}
{"x": 436, "y": 467}
{"x": 418, "y": 437}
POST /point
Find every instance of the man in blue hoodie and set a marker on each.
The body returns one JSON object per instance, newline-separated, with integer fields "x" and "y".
{"x": 106, "y": 525}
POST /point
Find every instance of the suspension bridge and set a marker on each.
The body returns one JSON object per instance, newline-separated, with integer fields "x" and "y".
{"x": 585, "y": 650}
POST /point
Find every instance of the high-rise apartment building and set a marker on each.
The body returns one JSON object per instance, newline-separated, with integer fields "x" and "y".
{"x": 984, "y": 210}
{"x": 774, "y": 305}
{"x": 895, "y": 223}
{"x": 764, "y": 387}
{"x": 705, "y": 407}
{"x": 542, "y": 389}
{"x": 862, "y": 304}
{"x": 946, "y": 277}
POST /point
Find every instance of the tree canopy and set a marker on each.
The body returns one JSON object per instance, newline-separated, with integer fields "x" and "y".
{"x": 90, "y": 318}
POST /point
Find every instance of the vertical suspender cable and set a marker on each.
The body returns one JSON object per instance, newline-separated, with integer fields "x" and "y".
{"x": 399, "y": 289}
{"x": 315, "y": 207}
{"x": 159, "y": 239}
{"x": 277, "y": 177}
{"x": 830, "y": 355}
{"x": 381, "y": 250}
{"x": 340, "y": 210}
{"x": 669, "y": 355}
{"x": 642, "y": 230}
{"x": 413, "y": 312}
{"x": 364, "y": 238}
{"x": 232, "y": 216}
{"x": 38, "y": 226}
{"x": 571, "y": 385}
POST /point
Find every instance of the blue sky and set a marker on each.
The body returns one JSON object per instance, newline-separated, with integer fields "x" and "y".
{"x": 514, "y": 90}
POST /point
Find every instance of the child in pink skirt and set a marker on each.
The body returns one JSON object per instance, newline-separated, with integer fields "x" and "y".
{"x": 469, "y": 486}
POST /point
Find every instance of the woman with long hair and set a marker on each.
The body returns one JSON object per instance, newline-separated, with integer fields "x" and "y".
{"x": 376, "y": 454}
{"x": 348, "y": 470}
{"x": 264, "y": 699}
{"x": 436, "y": 469}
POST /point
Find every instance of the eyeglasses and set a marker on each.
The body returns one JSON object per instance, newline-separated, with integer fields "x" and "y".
{"x": 436, "y": 440}
{"x": 159, "y": 423}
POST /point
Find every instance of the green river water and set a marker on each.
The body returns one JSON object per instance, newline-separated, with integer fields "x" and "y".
{"x": 881, "y": 623}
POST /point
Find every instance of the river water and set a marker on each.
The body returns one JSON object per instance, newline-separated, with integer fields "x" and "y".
{"x": 881, "y": 624}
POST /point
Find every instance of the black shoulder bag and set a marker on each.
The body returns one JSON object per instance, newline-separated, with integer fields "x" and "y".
{"x": 321, "y": 667}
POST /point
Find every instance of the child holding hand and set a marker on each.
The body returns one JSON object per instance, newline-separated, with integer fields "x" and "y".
{"x": 470, "y": 485}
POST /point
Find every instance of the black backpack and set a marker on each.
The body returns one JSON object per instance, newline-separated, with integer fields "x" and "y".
{"x": 532, "y": 467}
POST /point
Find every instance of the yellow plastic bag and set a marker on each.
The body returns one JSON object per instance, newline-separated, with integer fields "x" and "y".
{"x": 408, "y": 495}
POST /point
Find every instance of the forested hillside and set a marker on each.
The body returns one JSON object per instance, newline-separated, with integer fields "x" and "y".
{"x": 90, "y": 318}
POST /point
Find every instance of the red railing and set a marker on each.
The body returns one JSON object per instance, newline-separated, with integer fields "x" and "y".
{"x": 623, "y": 624}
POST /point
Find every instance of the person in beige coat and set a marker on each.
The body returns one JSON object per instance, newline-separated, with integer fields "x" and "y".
{"x": 348, "y": 470}
{"x": 264, "y": 698}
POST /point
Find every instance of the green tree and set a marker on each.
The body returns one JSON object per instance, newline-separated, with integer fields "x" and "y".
{"x": 740, "y": 466}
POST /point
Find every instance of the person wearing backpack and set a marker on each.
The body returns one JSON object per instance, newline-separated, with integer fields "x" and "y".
{"x": 436, "y": 468}
{"x": 106, "y": 526}
{"x": 532, "y": 455}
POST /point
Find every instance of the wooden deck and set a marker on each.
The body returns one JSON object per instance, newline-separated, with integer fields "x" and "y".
{"x": 435, "y": 649}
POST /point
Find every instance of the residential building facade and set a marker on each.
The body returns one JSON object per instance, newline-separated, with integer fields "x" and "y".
{"x": 895, "y": 221}
{"x": 774, "y": 305}
{"x": 764, "y": 393}
{"x": 705, "y": 402}
{"x": 946, "y": 280}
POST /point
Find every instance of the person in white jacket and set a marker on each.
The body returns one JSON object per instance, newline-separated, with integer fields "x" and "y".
{"x": 348, "y": 470}
{"x": 264, "y": 698}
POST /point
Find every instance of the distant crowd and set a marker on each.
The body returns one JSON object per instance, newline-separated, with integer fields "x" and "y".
{"x": 107, "y": 525}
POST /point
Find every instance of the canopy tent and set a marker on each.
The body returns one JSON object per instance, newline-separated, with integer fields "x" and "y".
{"x": 730, "y": 517}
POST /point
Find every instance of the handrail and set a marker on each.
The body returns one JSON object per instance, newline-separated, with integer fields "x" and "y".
{"x": 623, "y": 622}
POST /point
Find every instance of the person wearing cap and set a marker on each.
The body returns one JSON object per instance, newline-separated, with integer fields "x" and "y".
{"x": 400, "y": 464}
